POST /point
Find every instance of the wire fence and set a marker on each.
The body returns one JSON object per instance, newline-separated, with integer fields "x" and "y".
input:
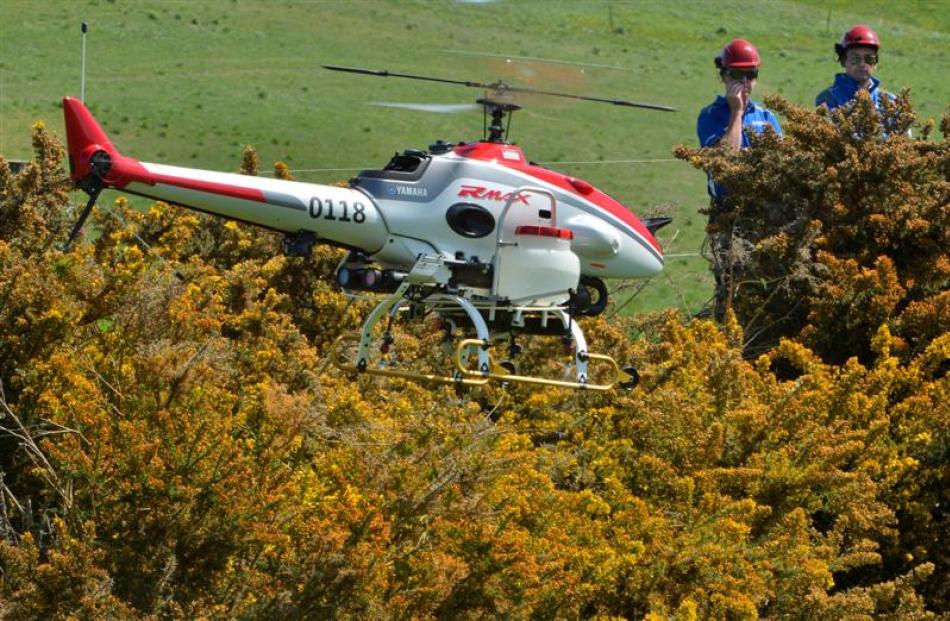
{"x": 543, "y": 163}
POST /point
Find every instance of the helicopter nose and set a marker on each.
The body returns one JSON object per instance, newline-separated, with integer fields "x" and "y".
{"x": 611, "y": 252}
{"x": 638, "y": 260}
{"x": 593, "y": 240}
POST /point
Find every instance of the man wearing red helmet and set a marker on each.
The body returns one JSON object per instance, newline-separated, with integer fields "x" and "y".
{"x": 732, "y": 116}
{"x": 730, "y": 120}
{"x": 858, "y": 54}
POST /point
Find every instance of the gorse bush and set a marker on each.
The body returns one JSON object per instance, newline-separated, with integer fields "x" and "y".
{"x": 175, "y": 445}
{"x": 837, "y": 228}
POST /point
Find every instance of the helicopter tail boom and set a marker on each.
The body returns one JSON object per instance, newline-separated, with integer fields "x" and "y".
{"x": 341, "y": 216}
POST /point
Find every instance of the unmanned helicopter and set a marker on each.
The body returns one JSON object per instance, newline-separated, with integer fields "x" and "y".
{"x": 495, "y": 246}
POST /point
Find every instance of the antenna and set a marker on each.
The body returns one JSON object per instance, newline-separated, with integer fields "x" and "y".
{"x": 82, "y": 77}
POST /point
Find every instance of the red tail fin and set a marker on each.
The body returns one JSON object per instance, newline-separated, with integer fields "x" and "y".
{"x": 85, "y": 138}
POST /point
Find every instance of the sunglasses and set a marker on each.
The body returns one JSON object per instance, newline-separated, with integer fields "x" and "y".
{"x": 740, "y": 75}
{"x": 856, "y": 59}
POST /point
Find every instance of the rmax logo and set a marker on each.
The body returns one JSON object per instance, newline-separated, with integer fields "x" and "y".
{"x": 477, "y": 191}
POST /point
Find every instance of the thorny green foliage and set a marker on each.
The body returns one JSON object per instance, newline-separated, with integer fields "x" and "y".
{"x": 837, "y": 229}
{"x": 175, "y": 446}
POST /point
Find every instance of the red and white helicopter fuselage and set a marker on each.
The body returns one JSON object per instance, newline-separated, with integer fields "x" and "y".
{"x": 393, "y": 215}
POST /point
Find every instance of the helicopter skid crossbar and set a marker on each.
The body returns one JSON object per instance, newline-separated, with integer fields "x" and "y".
{"x": 466, "y": 349}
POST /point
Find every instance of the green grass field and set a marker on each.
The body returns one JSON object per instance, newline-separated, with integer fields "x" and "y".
{"x": 192, "y": 82}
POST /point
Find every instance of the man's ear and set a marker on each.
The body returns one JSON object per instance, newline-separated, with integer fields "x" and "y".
{"x": 840, "y": 52}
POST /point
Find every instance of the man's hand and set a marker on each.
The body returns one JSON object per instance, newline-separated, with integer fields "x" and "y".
{"x": 737, "y": 96}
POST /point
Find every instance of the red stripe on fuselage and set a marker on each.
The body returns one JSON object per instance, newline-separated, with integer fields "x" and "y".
{"x": 210, "y": 187}
{"x": 494, "y": 152}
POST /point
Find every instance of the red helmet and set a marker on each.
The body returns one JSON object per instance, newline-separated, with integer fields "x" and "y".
{"x": 859, "y": 36}
{"x": 738, "y": 53}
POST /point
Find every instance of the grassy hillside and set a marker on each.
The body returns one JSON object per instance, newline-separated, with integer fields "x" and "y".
{"x": 191, "y": 83}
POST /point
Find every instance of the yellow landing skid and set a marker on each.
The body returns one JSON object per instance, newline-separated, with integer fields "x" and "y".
{"x": 469, "y": 377}
{"x": 501, "y": 374}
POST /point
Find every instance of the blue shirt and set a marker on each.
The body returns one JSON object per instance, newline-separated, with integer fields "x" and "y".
{"x": 713, "y": 120}
{"x": 844, "y": 89}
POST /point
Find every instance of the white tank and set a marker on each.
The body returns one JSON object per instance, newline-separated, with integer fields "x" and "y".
{"x": 537, "y": 267}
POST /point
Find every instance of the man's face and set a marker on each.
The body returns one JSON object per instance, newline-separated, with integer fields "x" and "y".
{"x": 743, "y": 78}
{"x": 860, "y": 62}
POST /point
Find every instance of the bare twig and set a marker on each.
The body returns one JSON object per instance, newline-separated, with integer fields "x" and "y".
{"x": 9, "y": 494}
{"x": 183, "y": 373}
{"x": 92, "y": 370}
{"x": 7, "y": 532}
{"x": 636, "y": 292}
{"x": 488, "y": 416}
{"x": 27, "y": 441}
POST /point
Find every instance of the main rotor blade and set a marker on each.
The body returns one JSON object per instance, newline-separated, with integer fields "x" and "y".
{"x": 428, "y": 107}
{"x": 499, "y": 87}
{"x": 616, "y": 102}
{"x": 384, "y": 73}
